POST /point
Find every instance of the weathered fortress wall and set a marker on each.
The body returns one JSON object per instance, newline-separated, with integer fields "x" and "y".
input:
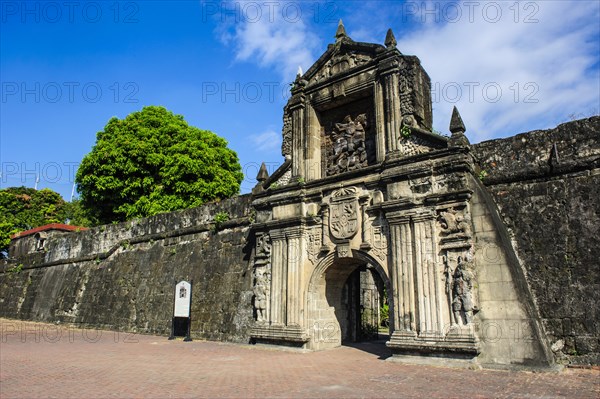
{"x": 122, "y": 276}
{"x": 545, "y": 184}
{"x": 547, "y": 188}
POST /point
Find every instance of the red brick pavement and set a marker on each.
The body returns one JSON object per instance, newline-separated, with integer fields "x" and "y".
{"x": 46, "y": 361}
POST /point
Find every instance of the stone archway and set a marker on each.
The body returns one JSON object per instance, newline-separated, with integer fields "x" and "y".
{"x": 332, "y": 299}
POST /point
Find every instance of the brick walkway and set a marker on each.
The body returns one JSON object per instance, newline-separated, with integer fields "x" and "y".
{"x": 58, "y": 362}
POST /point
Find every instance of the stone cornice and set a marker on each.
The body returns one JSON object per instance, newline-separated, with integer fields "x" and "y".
{"x": 287, "y": 225}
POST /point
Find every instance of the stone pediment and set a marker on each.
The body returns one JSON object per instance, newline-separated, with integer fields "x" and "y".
{"x": 339, "y": 58}
{"x": 356, "y": 106}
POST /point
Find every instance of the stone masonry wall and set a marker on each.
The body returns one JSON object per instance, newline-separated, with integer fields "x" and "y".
{"x": 546, "y": 185}
{"x": 122, "y": 276}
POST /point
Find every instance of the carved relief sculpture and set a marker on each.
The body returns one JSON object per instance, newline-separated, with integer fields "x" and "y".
{"x": 453, "y": 221}
{"x": 462, "y": 297}
{"x": 286, "y": 144}
{"x": 262, "y": 277}
{"x": 450, "y": 182}
{"x": 347, "y": 150}
{"x": 314, "y": 244}
{"x": 343, "y": 221}
{"x": 263, "y": 247}
{"x": 380, "y": 245}
{"x": 407, "y": 75}
{"x": 341, "y": 63}
{"x": 411, "y": 145}
{"x": 261, "y": 293}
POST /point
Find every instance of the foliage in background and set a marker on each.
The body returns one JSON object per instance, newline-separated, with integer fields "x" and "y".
{"x": 77, "y": 216}
{"x": 24, "y": 208}
{"x": 384, "y": 313}
{"x": 152, "y": 162}
{"x": 384, "y": 310}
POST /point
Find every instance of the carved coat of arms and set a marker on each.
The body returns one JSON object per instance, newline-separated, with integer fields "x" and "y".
{"x": 313, "y": 244}
{"x": 343, "y": 218}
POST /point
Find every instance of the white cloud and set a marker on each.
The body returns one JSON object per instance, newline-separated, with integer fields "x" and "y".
{"x": 529, "y": 67}
{"x": 272, "y": 34}
{"x": 545, "y": 70}
{"x": 267, "y": 141}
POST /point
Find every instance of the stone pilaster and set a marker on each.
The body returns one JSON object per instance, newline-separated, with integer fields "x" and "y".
{"x": 286, "y": 291}
{"x": 297, "y": 108}
{"x": 419, "y": 294}
{"x": 313, "y": 145}
{"x": 391, "y": 103}
{"x": 295, "y": 251}
{"x": 379, "y": 122}
{"x": 278, "y": 278}
{"x": 403, "y": 274}
{"x": 427, "y": 276}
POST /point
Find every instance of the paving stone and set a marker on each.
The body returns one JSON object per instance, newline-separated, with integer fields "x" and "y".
{"x": 130, "y": 365}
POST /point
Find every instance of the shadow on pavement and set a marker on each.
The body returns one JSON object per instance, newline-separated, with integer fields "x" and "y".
{"x": 375, "y": 347}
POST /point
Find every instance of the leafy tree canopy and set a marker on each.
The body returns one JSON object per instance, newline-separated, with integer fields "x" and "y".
{"x": 152, "y": 162}
{"x": 23, "y": 208}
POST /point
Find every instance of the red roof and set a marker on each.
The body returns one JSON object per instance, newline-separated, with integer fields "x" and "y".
{"x": 51, "y": 226}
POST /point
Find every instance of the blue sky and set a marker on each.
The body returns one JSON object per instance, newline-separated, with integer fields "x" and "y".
{"x": 67, "y": 67}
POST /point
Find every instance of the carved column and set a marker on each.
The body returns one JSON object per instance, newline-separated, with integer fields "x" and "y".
{"x": 294, "y": 253}
{"x": 396, "y": 276}
{"x": 437, "y": 273}
{"x": 313, "y": 145}
{"x": 420, "y": 292}
{"x": 297, "y": 108}
{"x": 403, "y": 274}
{"x": 391, "y": 103}
{"x": 427, "y": 276}
{"x": 278, "y": 278}
{"x": 379, "y": 123}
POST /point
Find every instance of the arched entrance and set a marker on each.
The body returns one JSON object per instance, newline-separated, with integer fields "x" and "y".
{"x": 345, "y": 301}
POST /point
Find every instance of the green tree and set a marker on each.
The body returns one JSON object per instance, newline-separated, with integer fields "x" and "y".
{"x": 76, "y": 215}
{"x": 23, "y": 208}
{"x": 152, "y": 162}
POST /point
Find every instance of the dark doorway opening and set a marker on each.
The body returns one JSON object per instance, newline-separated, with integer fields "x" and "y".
{"x": 348, "y": 304}
{"x": 363, "y": 296}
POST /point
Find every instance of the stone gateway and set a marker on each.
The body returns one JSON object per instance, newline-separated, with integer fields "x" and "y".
{"x": 367, "y": 179}
{"x": 372, "y": 221}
